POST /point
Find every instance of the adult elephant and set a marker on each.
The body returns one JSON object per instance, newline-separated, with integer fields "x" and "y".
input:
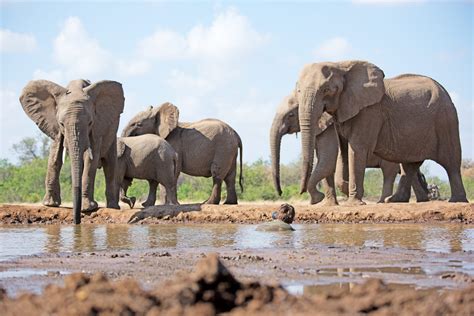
{"x": 206, "y": 148}
{"x": 286, "y": 121}
{"x": 84, "y": 118}
{"x": 406, "y": 119}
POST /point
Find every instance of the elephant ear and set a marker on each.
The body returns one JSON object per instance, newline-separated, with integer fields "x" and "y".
{"x": 109, "y": 102}
{"x": 120, "y": 147}
{"x": 324, "y": 122}
{"x": 39, "y": 101}
{"x": 167, "y": 119}
{"x": 363, "y": 86}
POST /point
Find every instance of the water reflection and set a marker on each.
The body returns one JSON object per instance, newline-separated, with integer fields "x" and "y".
{"x": 27, "y": 240}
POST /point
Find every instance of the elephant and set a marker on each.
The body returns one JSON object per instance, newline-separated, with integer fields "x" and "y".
{"x": 148, "y": 157}
{"x": 325, "y": 147}
{"x": 406, "y": 119}
{"x": 286, "y": 121}
{"x": 83, "y": 118}
{"x": 206, "y": 148}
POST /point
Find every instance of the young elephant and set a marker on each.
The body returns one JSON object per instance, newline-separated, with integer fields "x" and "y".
{"x": 206, "y": 148}
{"x": 148, "y": 157}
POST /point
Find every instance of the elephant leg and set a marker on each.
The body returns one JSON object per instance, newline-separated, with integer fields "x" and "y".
{"x": 230, "y": 185}
{"x": 458, "y": 193}
{"x": 88, "y": 181}
{"x": 150, "y": 201}
{"x": 124, "y": 185}
{"x": 420, "y": 187}
{"x": 403, "y": 192}
{"x": 357, "y": 164}
{"x": 215, "y": 196}
{"x": 52, "y": 196}
{"x": 110, "y": 169}
{"x": 330, "y": 198}
{"x": 171, "y": 194}
{"x": 163, "y": 194}
{"x": 342, "y": 168}
{"x": 389, "y": 171}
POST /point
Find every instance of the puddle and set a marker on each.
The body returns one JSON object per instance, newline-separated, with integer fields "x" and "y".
{"x": 23, "y": 273}
{"x": 26, "y": 240}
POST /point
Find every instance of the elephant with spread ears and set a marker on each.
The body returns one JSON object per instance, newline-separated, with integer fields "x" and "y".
{"x": 327, "y": 145}
{"x": 83, "y": 118}
{"x": 405, "y": 119}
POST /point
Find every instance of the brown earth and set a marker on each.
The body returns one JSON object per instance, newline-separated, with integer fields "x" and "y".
{"x": 433, "y": 211}
{"x": 212, "y": 289}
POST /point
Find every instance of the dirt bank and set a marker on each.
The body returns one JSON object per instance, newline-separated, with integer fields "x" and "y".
{"x": 211, "y": 288}
{"x": 246, "y": 213}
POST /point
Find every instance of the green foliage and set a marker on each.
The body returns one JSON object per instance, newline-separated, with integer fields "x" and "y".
{"x": 25, "y": 182}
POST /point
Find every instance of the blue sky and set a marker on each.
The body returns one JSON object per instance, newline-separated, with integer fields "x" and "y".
{"x": 229, "y": 60}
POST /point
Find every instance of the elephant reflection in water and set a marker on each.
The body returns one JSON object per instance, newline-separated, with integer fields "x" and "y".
{"x": 53, "y": 238}
{"x": 83, "y": 238}
{"x": 160, "y": 236}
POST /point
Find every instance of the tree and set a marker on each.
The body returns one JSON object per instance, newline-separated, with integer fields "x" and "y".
{"x": 31, "y": 148}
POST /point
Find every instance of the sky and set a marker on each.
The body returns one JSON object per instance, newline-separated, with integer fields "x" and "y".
{"x": 233, "y": 61}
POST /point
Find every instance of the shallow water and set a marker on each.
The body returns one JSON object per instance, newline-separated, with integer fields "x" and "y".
{"x": 17, "y": 241}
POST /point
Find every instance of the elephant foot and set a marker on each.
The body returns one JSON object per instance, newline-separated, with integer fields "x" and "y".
{"x": 353, "y": 201}
{"x": 397, "y": 198}
{"x": 329, "y": 202}
{"x": 52, "y": 201}
{"x": 89, "y": 206}
{"x": 316, "y": 197}
{"x": 148, "y": 203}
{"x": 423, "y": 199}
{"x": 212, "y": 201}
{"x": 458, "y": 199}
{"x": 129, "y": 201}
{"x": 231, "y": 202}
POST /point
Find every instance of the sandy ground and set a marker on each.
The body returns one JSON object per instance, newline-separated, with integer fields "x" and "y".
{"x": 164, "y": 281}
{"x": 211, "y": 288}
{"x": 246, "y": 213}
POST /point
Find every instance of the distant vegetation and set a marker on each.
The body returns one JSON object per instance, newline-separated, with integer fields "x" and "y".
{"x": 24, "y": 182}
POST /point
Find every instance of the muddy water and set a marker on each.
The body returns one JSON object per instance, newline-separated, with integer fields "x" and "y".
{"x": 329, "y": 255}
{"x": 19, "y": 241}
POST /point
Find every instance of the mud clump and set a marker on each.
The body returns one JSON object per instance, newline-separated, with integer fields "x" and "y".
{"x": 211, "y": 289}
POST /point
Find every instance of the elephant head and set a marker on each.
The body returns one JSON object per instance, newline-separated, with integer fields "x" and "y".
{"x": 342, "y": 89}
{"x": 155, "y": 120}
{"x": 286, "y": 121}
{"x": 78, "y": 115}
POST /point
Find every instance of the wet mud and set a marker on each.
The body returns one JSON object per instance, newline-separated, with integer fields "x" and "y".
{"x": 211, "y": 288}
{"x": 433, "y": 211}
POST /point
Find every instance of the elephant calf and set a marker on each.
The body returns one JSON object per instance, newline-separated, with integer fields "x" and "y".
{"x": 148, "y": 157}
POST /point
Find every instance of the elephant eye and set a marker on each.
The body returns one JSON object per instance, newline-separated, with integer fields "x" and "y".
{"x": 291, "y": 114}
{"x": 326, "y": 90}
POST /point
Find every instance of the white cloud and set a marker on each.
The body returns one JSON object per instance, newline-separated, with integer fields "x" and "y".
{"x": 230, "y": 35}
{"x": 133, "y": 67}
{"x": 163, "y": 44}
{"x": 55, "y": 75}
{"x": 11, "y": 42}
{"x": 78, "y": 53}
{"x": 334, "y": 49}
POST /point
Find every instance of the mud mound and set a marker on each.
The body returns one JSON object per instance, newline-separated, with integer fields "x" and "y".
{"x": 212, "y": 289}
{"x": 433, "y": 211}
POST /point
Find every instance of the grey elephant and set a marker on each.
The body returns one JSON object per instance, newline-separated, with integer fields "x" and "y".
{"x": 286, "y": 121}
{"x": 147, "y": 157}
{"x": 206, "y": 148}
{"x": 84, "y": 118}
{"x": 406, "y": 119}
{"x": 325, "y": 147}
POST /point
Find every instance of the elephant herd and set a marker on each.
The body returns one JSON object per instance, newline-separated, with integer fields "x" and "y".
{"x": 350, "y": 117}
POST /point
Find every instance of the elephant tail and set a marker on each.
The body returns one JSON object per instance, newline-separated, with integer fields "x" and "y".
{"x": 241, "y": 176}
{"x": 175, "y": 165}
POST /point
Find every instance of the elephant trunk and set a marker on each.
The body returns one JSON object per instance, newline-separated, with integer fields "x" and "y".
{"x": 309, "y": 114}
{"x": 275, "y": 144}
{"x": 76, "y": 147}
